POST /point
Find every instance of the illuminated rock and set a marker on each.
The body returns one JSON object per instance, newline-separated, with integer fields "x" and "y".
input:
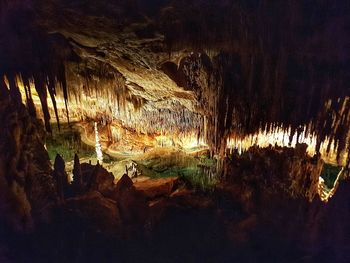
{"x": 228, "y": 76}
{"x": 27, "y": 188}
{"x": 156, "y": 187}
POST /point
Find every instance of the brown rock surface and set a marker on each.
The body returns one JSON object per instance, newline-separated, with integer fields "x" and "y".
{"x": 26, "y": 185}
{"x": 274, "y": 170}
{"x": 96, "y": 211}
{"x": 102, "y": 180}
{"x": 153, "y": 188}
{"x": 131, "y": 203}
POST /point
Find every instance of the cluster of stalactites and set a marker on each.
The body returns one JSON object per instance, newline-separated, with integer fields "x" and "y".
{"x": 333, "y": 126}
{"x": 99, "y": 88}
{"x": 43, "y": 85}
{"x": 175, "y": 120}
{"x": 331, "y": 144}
{"x": 244, "y": 98}
{"x": 107, "y": 101}
{"x": 106, "y": 97}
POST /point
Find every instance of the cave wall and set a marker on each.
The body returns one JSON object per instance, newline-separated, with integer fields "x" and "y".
{"x": 27, "y": 188}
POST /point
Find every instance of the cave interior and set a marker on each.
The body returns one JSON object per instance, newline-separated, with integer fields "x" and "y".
{"x": 174, "y": 131}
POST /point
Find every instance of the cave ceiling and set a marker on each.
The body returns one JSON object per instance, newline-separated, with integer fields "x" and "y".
{"x": 231, "y": 61}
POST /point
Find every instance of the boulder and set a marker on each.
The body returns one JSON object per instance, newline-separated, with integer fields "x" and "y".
{"x": 95, "y": 211}
{"x": 153, "y": 188}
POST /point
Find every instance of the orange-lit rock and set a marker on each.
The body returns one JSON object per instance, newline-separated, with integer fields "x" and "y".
{"x": 156, "y": 187}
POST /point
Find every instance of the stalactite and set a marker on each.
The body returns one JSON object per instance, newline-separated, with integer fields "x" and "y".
{"x": 40, "y": 87}
{"x": 14, "y": 90}
{"x": 51, "y": 88}
{"x": 245, "y": 83}
{"x": 63, "y": 82}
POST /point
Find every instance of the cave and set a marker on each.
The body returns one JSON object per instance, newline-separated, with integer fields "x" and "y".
{"x": 174, "y": 131}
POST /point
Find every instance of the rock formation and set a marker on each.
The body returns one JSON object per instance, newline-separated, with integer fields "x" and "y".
{"x": 211, "y": 85}
{"x": 182, "y": 72}
{"x": 27, "y": 187}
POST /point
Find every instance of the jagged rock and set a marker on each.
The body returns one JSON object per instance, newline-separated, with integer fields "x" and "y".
{"x": 86, "y": 172}
{"x": 123, "y": 184}
{"x": 88, "y": 177}
{"x": 101, "y": 180}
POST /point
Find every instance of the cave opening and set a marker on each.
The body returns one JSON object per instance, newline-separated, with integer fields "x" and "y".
{"x": 174, "y": 131}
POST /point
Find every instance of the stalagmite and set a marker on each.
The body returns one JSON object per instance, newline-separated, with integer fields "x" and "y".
{"x": 98, "y": 148}
{"x": 60, "y": 177}
{"x": 77, "y": 175}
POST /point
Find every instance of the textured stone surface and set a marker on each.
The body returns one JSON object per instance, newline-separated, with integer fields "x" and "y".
{"x": 26, "y": 183}
{"x": 281, "y": 171}
{"x": 156, "y": 187}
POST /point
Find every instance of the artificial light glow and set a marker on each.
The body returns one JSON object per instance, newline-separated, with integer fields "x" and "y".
{"x": 282, "y": 137}
{"x": 185, "y": 141}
